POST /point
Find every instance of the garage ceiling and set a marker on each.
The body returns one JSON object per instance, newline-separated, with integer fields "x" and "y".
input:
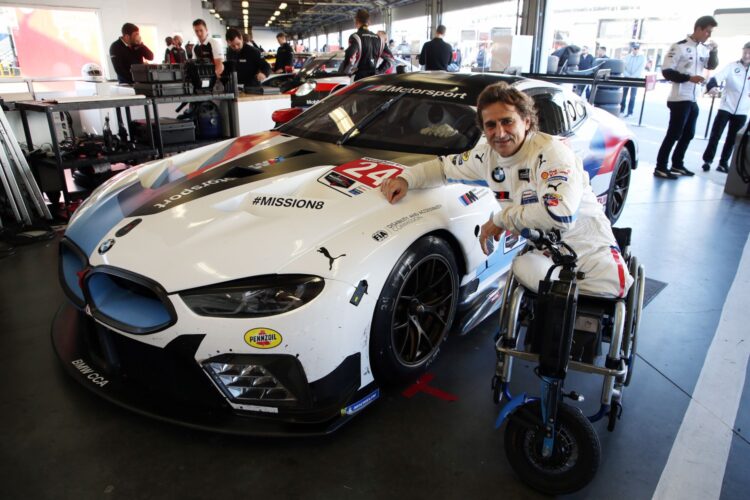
{"x": 300, "y": 16}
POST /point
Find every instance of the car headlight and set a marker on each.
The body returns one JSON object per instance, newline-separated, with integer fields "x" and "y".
{"x": 306, "y": 88}
{"x": 254, "y": 297}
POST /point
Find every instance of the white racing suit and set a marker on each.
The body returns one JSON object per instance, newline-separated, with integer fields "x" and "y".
{"x": 543, "y": 186}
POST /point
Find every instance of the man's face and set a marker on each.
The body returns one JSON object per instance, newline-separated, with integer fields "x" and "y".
{"x": 201, "y": 32}
{"x": 135, "y": 38}
{"x": 703, "y": 34}
{"x": 281, "y": 40}
{"x": 585, "y": 50}
{"x": 177, "y": 41}
{"x": 504, "y": 127}
{"x": 235, "y": 44}
{"x": 745, "y": 56}
{"x": 600, "y": 53}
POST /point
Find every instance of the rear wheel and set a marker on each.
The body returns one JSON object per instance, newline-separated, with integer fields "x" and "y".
{"x": 414, "y": 311}
{"x": 619, "y": 186}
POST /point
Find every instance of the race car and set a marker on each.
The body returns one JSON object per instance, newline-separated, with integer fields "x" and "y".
{"x": 263, "y": 284}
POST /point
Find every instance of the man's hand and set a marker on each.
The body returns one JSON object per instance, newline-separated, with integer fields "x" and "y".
{"x": 489, "y": 230}
{"x": 697, "y": 79}
{"x": 261, "y": 76}
{"x": 394, "y": 189}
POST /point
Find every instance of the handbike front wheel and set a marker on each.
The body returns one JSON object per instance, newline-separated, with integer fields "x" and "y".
{"x": 575, "y": 457}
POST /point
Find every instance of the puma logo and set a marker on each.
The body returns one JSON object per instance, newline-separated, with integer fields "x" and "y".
{"x": 555, "y": 186}
{"x": 325, "y": 252}
{"x": 542, "y": 161}
{"x": 480, "y": 158}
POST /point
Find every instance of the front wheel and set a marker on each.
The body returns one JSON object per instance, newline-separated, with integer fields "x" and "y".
{"x": 575, "y": 457}
{"x": 619, "y": 186}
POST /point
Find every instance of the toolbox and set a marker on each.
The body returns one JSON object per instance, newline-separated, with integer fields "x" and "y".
{"x": 147, "y": 73}
{"x": 163, "y": 89}
{"x": 201, "y": 74}
{"x": 173, "y": 131}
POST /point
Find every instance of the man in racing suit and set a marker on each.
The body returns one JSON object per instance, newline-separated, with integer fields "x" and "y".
{"x": 365, "y": 48}
{"x": 539, "y": 183}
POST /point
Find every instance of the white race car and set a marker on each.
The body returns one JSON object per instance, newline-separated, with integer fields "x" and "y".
{"x": 263, "y": 285}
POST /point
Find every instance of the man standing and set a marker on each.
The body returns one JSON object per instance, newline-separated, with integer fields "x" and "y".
{"x": 208, "y": 49}
{"x": 601, "y": 52}
{"x": 284, "y": 55}
{"x": 251, "y": 68}
{"x": 635, "y": 64}
{"x": 169, "y": 42}
{"x": 585, "y": 62}
{"x": 735, "y": 104}
{"x": 684, "y": 66}
{"x": 128, "y": 50}
{"x": 436, "y": 54}
{"x": 364, "y": 50}
{"x": 177, "y": 54}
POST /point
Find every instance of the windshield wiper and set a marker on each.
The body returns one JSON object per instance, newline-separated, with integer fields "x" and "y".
{"x": 369, "y": 118}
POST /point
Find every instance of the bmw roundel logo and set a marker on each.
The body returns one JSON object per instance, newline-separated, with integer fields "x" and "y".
{"x": 104, "y": 247}
{"x": 498, "y": 175}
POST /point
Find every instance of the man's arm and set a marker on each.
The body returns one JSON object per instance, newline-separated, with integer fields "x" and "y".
{"x": 670, "y": 64}
{"x": 145, "y": 52}
{"x": 423, "y": 54}
{"x": 388, "y": 59}
{"x": 466, "y": 168}
{"x": 713, "y": 57}
{"x": 119, "y": 62}
{"x": 351, "y": 56}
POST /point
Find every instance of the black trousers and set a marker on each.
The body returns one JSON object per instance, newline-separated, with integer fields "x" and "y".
{"x": 735, "y": 124}
{"x": 682, "y": 118}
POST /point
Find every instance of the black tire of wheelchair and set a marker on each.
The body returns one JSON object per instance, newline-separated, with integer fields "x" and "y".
{"x": 614, "y": 412}
{"x": 386, "y": 367}
{"x": 632, "y": 318}
{"x": 623, "y": 162}
{"x": 608, "y": 95}
{"x": 551, "y": 482}
{"x": 613, "y": 109}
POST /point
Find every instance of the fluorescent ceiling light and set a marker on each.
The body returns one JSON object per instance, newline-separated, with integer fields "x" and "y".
{"x": 282, "y": 6}
{"x": 217, "y": 16}
{"x": 212, "y": 11}
{"x": 245, "y": 11}
{"x": 277, "y": 13}
{"x": 246, "y": 4}
{"x": 273, "y": 18}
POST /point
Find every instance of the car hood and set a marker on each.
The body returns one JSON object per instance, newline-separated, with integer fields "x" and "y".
{"x": 245, "y": 207}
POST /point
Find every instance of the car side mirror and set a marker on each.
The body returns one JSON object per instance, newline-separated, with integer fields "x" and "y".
{"x": 284, "y": 115}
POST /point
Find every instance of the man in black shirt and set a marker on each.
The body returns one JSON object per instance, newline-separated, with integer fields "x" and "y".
{"x": 252, "y": 69}
{"x": 128, "y": 50}
{"x": 436, "y": 54}
{"x": 284, "y": 54}
{"x": 365, "y": 48}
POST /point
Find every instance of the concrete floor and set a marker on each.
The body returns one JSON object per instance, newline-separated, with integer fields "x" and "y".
{"x": 59, "y": 441}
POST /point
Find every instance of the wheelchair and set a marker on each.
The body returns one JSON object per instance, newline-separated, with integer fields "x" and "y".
{"x": 551, "y": 445}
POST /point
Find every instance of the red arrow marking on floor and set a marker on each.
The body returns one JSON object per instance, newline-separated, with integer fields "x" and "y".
{"x": 421, "y": 386}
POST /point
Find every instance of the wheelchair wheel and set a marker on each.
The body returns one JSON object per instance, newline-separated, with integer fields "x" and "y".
{"x": 633, "y": 317}
{"x": 575, "y": 457}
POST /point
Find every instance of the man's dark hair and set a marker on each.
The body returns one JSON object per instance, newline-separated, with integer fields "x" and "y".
{"x": 362, "y": 17}
{"x": 233, "y": 33}
{"x": 602, "y": 47}
{"x": 168, "y": 40}
{"x": 704, "y": 22}
{"x": 282, "y": 34}
{"x": 504, "y": 93}
{"x": 200, "y": 22}
{"x": 128, "y": 29}
{"x": 440, "y": 30}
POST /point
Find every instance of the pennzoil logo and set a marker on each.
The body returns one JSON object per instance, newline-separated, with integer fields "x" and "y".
{"x": 263, "y": 338}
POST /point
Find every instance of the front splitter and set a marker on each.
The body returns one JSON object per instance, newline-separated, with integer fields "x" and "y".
{"x": 68, "y": 329}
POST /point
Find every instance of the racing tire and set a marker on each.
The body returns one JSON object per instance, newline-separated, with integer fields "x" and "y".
{"x": 619, "y": 186}
{"x": 414, "y": 311}
{"x": 616, "y": 66}
{"x": 575, "y": 457}
{"x": 608, "y": 95}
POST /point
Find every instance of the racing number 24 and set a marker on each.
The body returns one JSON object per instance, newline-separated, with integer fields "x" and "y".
{"x": 369, "y": 173}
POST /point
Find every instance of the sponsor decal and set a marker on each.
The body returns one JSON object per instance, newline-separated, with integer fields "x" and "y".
{"x": 263, "y": 338}
{"x": 106, "y": 246}
{"x": 451, "y": 94}
{"x": 736, "y": 70}
{"x": 498, "y": 175}
{"x": 468, "y": 198}
{"x": 358, "y": 190}
{"x": 359, "y": 405}
{"x": 555, "y": 172}
{"x": 465, "y": 156}
{"x": 528, "y": 197}
{"x": 413, "y": 217}
{"x": 356, "y": 177}
{"x": 554, "y": 186}
{"x": 281, "y": 201}
{"x": 558, "y": 178}
{"x": 266, "y": 163}
{"x": 192, "y": 189}
{"x": 328, "y": 256}
{"x": 262, "y": 409}
{"x": 602, "y": 199}
{"x": 552, "y": 199}
{"x": 89, "y": 373}
{"x": 502, "y": 195}
{"x": 512, "y": 241}
{"x": 480, "y": 157}
{"x": 380, "y": 235}
{"x": 359, "y": 292}
{"x": 127, "y": 228}
{"x": 542, "y": 161}
{"x": 523, "y": 174}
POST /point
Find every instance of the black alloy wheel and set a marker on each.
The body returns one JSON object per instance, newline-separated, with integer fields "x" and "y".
{"x": 619, "y": 186}
{"x": 414, "y": 312}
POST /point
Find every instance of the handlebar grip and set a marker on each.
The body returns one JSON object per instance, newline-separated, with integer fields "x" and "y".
{"x": 531, "y": 234}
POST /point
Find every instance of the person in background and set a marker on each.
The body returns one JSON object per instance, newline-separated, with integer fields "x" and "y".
{"x": 601, "y": 52}
{"x": 585, "y": 62}
{"x": 383, "y": 68}
{"x": 208, "y": 49}
{"x": 684, "y": 66}
{"x": 365, "y": 50}
{"x": 284, "y": 55}
{"x": 251, "y": 68}
{"x": 128, "y": 50}
{"x": 248, "y": 39}
{"x": 436, "y": 54}
{"x": 456, "y": 59}
{"x": 392, "y": 46}
{"x": 403, "y": 48}
{"x": 189, "y": 49}
{"x": 635, "y": 66}
{"x": 482, "y": 57}
{"x": 563, "y": 54}
{"x": 168, "y": 41}
{"x": 735, "y": 104}
{"x": 177, "y": 54}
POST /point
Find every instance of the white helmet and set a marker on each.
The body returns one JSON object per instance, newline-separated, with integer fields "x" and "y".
{"x": 92, "y": 72}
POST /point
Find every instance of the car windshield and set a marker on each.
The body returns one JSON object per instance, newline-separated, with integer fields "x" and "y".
{"x": 413, "y": 123}
{"x": 323, "y": 64}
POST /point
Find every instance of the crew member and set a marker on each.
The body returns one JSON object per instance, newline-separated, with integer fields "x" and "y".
{"x": 735, "y": 103}
{"x": 364, "y": 50}
{"x": 177, "y": 54}
{"x": 539, "y": 183}
{"x": 208, "y": 49}
{"x": 128, "y": 50}
{"x": 251, "y": 68}
{"x": 284, "y": 55}
{"x": 635, "y": 65}
{"x": 168, "y": 40}
{"x": 436, "y": 54}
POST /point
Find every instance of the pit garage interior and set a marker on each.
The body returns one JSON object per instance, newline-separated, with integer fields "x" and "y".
{"x": 684, "y": 431}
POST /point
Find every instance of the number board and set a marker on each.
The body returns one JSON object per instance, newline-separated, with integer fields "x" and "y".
{"x": 358, "y": 176}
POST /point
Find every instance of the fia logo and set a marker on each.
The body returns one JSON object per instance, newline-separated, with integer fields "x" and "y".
{"x": 380, "y": 235}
